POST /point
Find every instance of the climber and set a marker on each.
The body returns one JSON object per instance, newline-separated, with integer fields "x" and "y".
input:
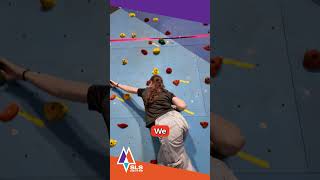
{"x": 162, "y": 108}
{"x": 93, "y": 95}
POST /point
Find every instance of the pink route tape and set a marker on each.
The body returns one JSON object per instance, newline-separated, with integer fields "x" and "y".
{"x": 150, "y": 39}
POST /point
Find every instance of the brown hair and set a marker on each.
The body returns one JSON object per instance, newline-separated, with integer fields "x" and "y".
{"x": 156, "y": 88}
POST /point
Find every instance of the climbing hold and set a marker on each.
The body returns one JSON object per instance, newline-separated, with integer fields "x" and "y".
{"x": 122, "y": 35}
{"x": 31, "y": 118}
{"x": 207, "y": 48}
{"x": 169, "y": 70}
{"x": 204, "y": 124}
{"x": 14, "y": 131}
{"x": 156, "y": 51}
{"x": 215, "y": 65}
{"x": 155, "y": 71}
{"x": 161, "y": 41}
{"x": 146, "y": 19}
{"x": 205, "y": 24}
{"x": 254, "y": 160}
{"x": 55, "y": 111}
{"x": 311, "y": 61}
{"x": 155, "y": 19}
{"x": 2, "y": 79}
{"x": 132, "y": 14}
{"x": 9, "y": 112}
{"x": 207, "y": 80}
{"x": 124, "y": 61}
{"x": 133, "y": 35}
{"x": 47, "y": 5}
{"x": 113, "y": 142}
{"x": 150, "y": 42}
{"x": 167, "y": 33}
{"x": 144, "y": 52}
{"x": 153, "y": 161}
{"x": 122, "y": 125}
{"x": 176, "y": 82}
{"x": 126, "y": 96}
{"x": 113, "y": 96}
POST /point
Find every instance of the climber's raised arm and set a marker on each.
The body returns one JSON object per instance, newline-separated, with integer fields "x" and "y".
{"x": 129, "y": 89}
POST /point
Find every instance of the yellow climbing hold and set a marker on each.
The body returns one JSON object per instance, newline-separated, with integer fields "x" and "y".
{"x": 122, "y": 35}
{"x": 55, "y": 111}
{"x": 132, "y": 14}
{"x": 113, "y": 142}
{"x": 184, "y": 81}
{"x": 124, "y": 61}
{"x": 36, "y": 121}
{"x": 119, "y": 98}
{"x": 254, "y": 160}
{"x": 189, "y": 112}
{"x": 238, "y": 63}
{"x": 155, "y": 71}
{"x": 126, "y": 96}
{"x": 156, "y": 51}
{"x": 155, "y": 19}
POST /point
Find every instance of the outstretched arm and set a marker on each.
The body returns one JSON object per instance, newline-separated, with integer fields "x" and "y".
{"x": 129, "y": 89}
{"x": 75, "y": 91}
{"x": 179, "y": 103}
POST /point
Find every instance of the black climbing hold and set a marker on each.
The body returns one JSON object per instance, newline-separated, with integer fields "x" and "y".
{"x": 162, "y": 41}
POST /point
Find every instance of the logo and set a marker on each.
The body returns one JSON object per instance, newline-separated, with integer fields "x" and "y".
{"x": 127, "y": 160}
{"x": 160, "y": 131}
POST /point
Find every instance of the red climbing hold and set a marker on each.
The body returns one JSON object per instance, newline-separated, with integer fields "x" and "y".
{"x": 154, "y": 161}
{"x": 146, "y": 19}
{"x": 207, "y": 80}
{"x": 176, "y": 82}
{"x": 207, "y": 48}
{"x": 112, "y": 97}
{"x": 122, "y": 125}
{"x": 311, "y": 60}
{"x": 150, "y": 42}
{"x": 215, "y": 65}
{"x": 169, "y": 70}
{"x": 204, "y": 124}
{"x": 167, "y": 33}
{"x": 144, "y": 52}
{"x": 9, "y": 113}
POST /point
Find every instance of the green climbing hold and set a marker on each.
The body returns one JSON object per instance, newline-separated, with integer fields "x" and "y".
{"x": 162, "y": 41}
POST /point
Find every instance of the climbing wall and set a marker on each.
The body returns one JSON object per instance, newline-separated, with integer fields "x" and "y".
{"x": 67, "y": 41}
{"x": 276, "y": 102}
{"x": 189, "y": 62}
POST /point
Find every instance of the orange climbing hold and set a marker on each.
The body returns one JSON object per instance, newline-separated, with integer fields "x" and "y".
{"x": 176, "y": 82}
{"x": 9, "y": 113}
{"x": 113, "y": 96}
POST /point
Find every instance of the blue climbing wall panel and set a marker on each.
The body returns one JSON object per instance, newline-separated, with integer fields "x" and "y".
{"x": 188, "y": 61}
{"x": 276, "y": 103}
{"x": 68, "y": 42}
